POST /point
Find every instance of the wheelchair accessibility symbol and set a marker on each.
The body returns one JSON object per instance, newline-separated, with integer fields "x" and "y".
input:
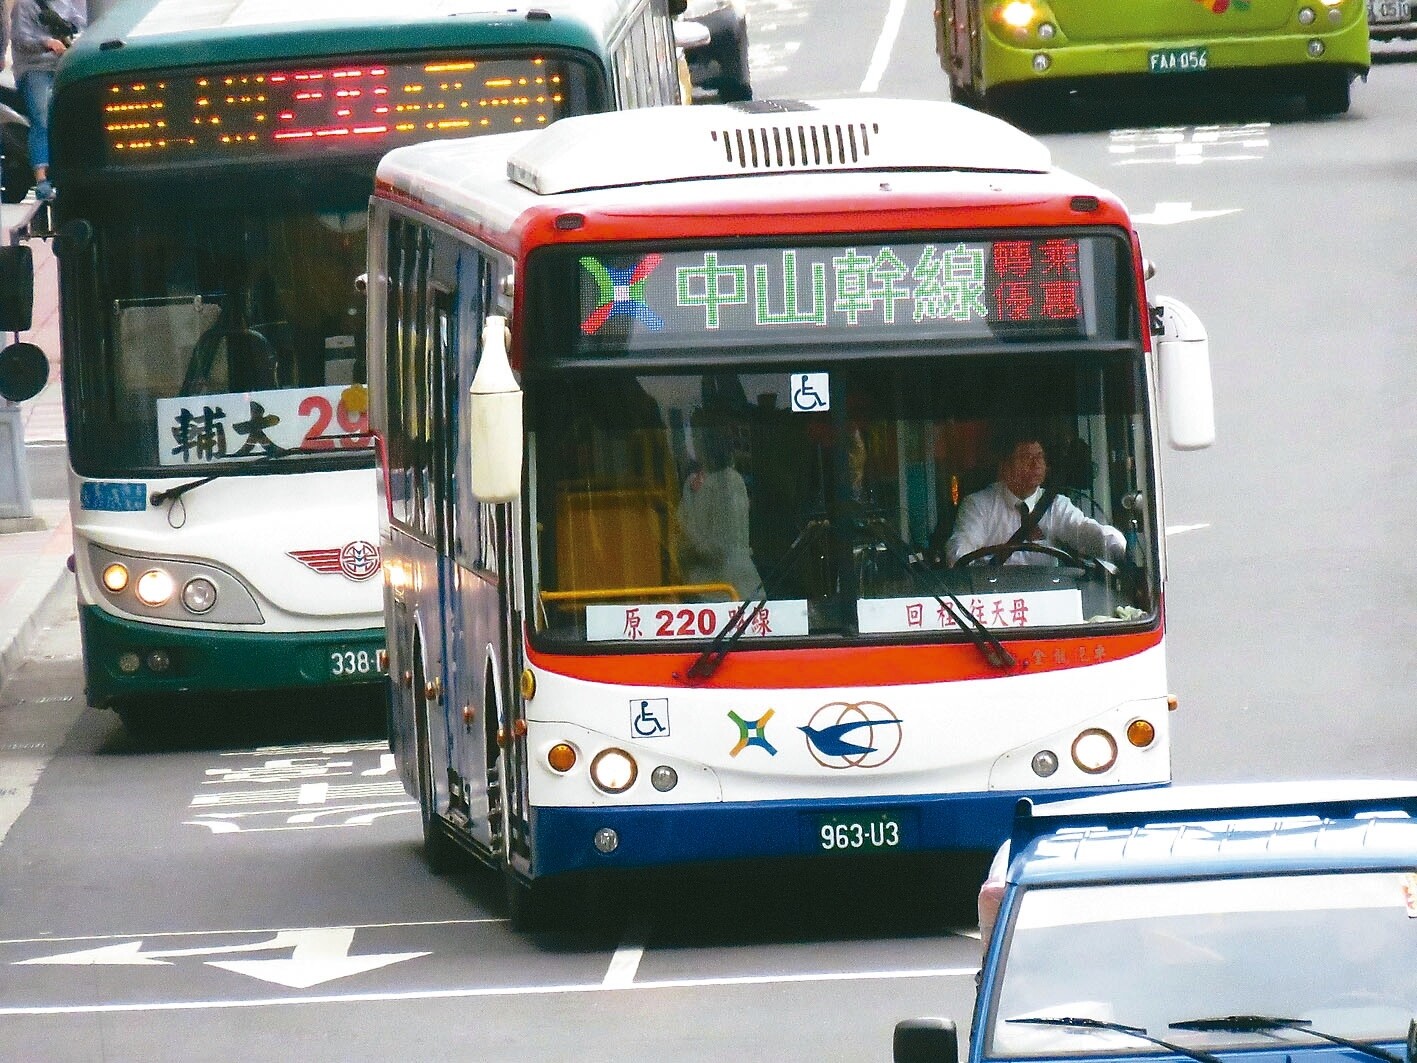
{"x": 811, "y": 392}
{"x": 649, "y": 717}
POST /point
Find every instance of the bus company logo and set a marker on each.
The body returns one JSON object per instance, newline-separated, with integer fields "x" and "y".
{"x": 860, "y": 734}
{"x": 622, "y": 293}
{"x": 357, "y": 561}
{"x": 752, "y": 733}
{"x": 1219, "y": 7}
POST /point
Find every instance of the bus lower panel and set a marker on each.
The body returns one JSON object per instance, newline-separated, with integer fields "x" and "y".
{"x": 1267, "y": 64}
{"x": 214, "y": 661}
{"x": 651, "y": 836}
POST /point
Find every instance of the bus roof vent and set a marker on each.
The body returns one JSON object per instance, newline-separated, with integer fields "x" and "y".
{"x": 658, "y": 144}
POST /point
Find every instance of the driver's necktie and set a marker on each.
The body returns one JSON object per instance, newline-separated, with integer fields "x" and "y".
{"x": 1022, "y": 517}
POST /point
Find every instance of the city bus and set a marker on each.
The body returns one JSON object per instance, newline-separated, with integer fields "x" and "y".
{"x": 215, "y": 163}
{"x": 678, "y": 415}
{"x": 1013, "y": 55}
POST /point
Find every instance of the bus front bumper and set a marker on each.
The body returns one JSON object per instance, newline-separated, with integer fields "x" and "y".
{"x": 127, "y": 659}
{"x": 1279, "y": 61}
{"x": 574, "y": 839}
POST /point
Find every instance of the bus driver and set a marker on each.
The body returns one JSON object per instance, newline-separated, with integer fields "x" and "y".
{"x": 1017, "y": 508}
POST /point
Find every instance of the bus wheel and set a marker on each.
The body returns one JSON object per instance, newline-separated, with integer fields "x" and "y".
{"x": 440, "y": 852}
{"x": 1329, "y": 95}
{"x": 544, "y": 904}
{"x": 148, "y": 722}
{"x": 528, "y": 903}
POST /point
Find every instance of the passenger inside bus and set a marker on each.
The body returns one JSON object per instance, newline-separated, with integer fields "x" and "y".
{"x": 713, "y": 517}
{"x": 1018, "y": 521}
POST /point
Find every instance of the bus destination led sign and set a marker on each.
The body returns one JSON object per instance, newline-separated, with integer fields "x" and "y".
{"x": 352, "y": 107}
{"x": 1047, "y": 286}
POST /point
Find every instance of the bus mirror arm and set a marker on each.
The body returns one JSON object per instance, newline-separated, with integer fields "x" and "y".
{"x": 1183, "y": 357}
{"x": 495, "y": 420}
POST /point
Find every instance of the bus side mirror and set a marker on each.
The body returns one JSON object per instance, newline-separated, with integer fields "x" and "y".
{"x": 24, "y": 370}
{"x": 495, "y": 420}
{"x": 16, "y": 288}
{"x": 925, "y": 1041}
{"x": 1183, "y": 354}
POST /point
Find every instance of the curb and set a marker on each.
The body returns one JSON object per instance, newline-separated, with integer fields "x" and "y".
{"x": 48, "y": 600}
{"x": 46, "y": 585}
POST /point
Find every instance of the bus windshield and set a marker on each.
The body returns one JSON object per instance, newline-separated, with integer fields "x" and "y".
{"x": 662, "y": 497}
{"x": 229, "y": 326}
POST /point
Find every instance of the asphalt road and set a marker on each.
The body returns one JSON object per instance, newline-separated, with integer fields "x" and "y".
{"x": 256, "y": 892}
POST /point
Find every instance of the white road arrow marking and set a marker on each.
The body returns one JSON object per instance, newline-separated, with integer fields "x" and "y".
{"x": 317, "y": 955}
{"x": 321, "y": 956}
{"x": 1175, "y": 213}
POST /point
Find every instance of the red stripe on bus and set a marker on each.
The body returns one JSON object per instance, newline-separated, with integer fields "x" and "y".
{"x": 844, "y": 667}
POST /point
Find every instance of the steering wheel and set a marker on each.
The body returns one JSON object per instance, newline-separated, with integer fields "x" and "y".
{"x": 1001, "y": 551}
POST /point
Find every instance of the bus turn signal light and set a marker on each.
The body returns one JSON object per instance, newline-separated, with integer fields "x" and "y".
{"x": 561, "y": 757}
{"x": 1141, "y": 733}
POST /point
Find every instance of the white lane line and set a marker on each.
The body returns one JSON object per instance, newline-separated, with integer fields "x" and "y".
{"x": 881, "y": 57}
{"x": 626, "y": 961}
{"x": 1181, "y": 529}
{"x": 249, "y": 932}
{"x": 491, "y": 991}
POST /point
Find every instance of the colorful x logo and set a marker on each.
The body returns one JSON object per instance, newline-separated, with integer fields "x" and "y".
{"x": 622, "y": 293}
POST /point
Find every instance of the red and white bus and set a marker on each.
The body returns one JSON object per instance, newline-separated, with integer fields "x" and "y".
{"x": 681, "y": 414}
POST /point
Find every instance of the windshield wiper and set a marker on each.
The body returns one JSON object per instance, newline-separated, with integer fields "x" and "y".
{"x": 994, "y": 651}
{"x": 707, "y": 662}
{"x": 1080, "y": 1022}
{"x": 172, "y": 494}
{"x": 1263, "y": 1023}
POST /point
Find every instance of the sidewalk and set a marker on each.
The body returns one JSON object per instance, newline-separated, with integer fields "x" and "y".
{"x": 34, "y": 553}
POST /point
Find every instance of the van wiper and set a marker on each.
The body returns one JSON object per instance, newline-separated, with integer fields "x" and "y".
{"x": 1263, "y": 1023}
{"x": 707, "y": 662}
{"x": 172, "y": 494}
{"x": 1080, "y": 1022}
{"x": 994, "y": 651}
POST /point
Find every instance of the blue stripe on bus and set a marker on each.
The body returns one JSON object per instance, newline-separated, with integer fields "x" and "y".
{"x": 113, "y": 497}
{"x": 654, "y": 835}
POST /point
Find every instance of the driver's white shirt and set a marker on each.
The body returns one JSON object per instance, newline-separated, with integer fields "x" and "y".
{"x": 991, "y": 516}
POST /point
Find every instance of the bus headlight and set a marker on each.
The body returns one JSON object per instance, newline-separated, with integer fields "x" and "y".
{"x": 155, "y": 587}
{"x": 1094, "y": 751}
{"x": 1045, "y": 763}
{"x": 1046, "y": 31}
{"x": 1018, "y": 14}
{"x": 199, "y": 594}
{"x": 1306, "y": 16}
{"x": 115, "y": 578}
{"x": 613, "y": 770}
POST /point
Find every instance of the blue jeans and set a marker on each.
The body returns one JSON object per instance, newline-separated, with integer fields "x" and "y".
{"x": 36, "y": 86}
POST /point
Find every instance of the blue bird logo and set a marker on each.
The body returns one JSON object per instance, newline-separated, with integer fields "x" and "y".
{"x": 836, "y": 745}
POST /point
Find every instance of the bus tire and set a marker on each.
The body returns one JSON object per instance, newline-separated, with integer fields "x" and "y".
{"x": 1329, "y": 95}
{"x": 544, "y": 904}
{"x": 440, "y": 852}
{"x": 144, "y": 723}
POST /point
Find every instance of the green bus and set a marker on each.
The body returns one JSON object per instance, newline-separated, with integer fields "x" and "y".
{"x": 214, "y": 164}
{"x": 1010, "y": 55}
